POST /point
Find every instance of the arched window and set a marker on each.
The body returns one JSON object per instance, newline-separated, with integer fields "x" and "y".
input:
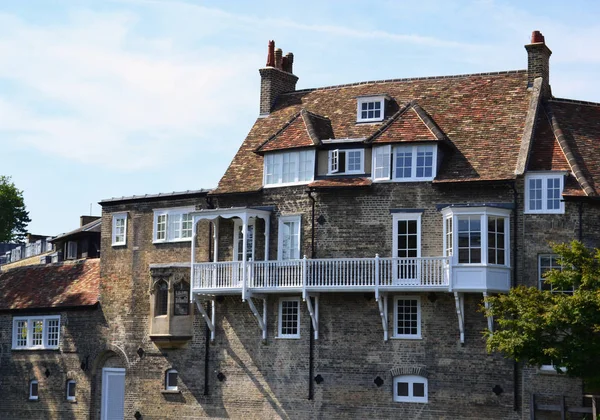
{"x": 33, "y": 389}
{"x": 171, "y": 380}
{"x": 71, "y": 390}
{"x": 410, "y": 388}
{"x": 162, "y": 298}
{"x": 182, "y": 298}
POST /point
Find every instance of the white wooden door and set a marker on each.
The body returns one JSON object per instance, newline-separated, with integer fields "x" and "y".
{"x": 113, "y": 394}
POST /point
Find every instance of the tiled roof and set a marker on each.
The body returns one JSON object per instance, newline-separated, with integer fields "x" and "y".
{"x": 94, "y": 226}
{"x": 341, "y": 182}
{"x": 410, "y": 124}
{"x": 482, "y": 116}
{"x": 62, "y": 285}
{"x": 577, "y": 125}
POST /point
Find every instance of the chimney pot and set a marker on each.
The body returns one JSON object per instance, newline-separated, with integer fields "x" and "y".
{"x": 271, "y": 54}
{"x": 289, "y": 59}
{"x": 537, "y": 37}
{"x": 278, "y": 55}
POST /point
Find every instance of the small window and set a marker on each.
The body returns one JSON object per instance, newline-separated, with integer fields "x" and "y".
{"x": 548, "y": 263}
{"x": 119, "y": 229}
{"x": 36, "y": 332}
{"x": 407, "y": 317}
{"x": 410, "y": 388}
{"x": 71, "y": 250}
{"x": 182, "y": 299}
{"x": 289, "y": 237}
{"x": 33, "y": 390}
{"x": 173, "y": 225}
{"x": 71, "y": 384}
{"x": 346, "y": 161}
{"x": 171, "y": 380}
{"x": 370, "y": 109}
{"x": 543, "y": 193}
{"x": 161, "y": 304}
{"x": 289, "y": 318}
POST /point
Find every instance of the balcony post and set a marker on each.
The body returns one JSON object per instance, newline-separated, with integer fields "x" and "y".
{"x": 244, "y": 254}
{"x": 304, "y": 278}
{"x": 377, "y": 277}
{"x": 193, "y": 259}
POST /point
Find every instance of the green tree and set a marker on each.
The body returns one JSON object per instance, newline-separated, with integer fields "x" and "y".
{"x": 538, "y": 326}
{"x": 13, "y": 216}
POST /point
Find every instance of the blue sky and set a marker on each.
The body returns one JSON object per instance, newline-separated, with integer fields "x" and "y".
{"x": 103, "y": 99}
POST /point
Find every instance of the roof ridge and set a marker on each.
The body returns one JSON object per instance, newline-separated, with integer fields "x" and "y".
{"x": 428, "y": 121}
{"x": 308, "y": 125}
{"x": 389, "y": 122}
{"x": 407, "y": 79}
{"x": 575, "y": 101}
{"x": 281, "y": 130}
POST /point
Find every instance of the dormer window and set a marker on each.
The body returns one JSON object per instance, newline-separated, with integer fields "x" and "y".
{"x": 350, "y": 161}
{"x": 405, "y": 163}
{"x": 370, "y": 109}
{"x": 289, "y": 168}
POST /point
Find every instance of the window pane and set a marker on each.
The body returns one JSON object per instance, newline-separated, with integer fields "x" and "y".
{"x": 71, "y": 389}
{"x": 407, "y": 317}
{"x": 172, "y": 379}
{"x": 403, "y": 163}
{"x": 21, "y": 333}
{"x": 34, "y": 389}
{"x": 403, "y": 389}
{"x": 418, "y": 389}
{"x": 38, "y": 332}
{"x": 53, "y": 327}
{"x": 182, "y": 298}
{"x": 162, "y": 298}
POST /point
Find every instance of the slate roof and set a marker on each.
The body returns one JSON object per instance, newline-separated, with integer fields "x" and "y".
{"x": 480, "y": 116}
{"x": 94, "y": 226}
{"x": 62, "y": 285}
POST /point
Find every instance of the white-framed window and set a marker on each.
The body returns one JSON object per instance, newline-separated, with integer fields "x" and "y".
{"x": 407, "y": 317}
{"x": 71, "y": 250}
{"x": 289, "y": 168}
{"x": 350, "y": 161}
{"x": 171, "y": 377}
{"x": 551, "y": 367}
{"x": 406, "y": 245}
{"x": 370, "y": 109}
{"x": 71, "y": 387}
{"x": 119, "y": 229}
{"x": 289, "y": 318}
{"x": 33, "y": 390}
{"x": 36, "y": 332}
{"x": 543, "y": 192}
{"x": 546, "y": 263}
{"x": 289, "y": 237}
{"x": 405, "y": 163}
{"x": 173, "y": 225}
{"x": 477, "y": 235}
{"x": 238, "y": 240}
{"x": 410, "y": 388}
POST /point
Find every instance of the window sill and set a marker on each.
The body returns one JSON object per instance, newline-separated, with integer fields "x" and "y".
{"x": 400, "y": 180}
{"x": 170, "y": 391}
{"x": 287, "y": 184}
{"x": 407, "y": 337}
{"x": 119, "y": 244}
{"x": 374, "y": 121}
{"x": 562, "y": 211}
{"x": 72, "y": 401}
{"x": 35, "y": 349}
{"x": 172, "y": 241}
{"x": 33, "y": 399}
{"x": 290, "y": 337}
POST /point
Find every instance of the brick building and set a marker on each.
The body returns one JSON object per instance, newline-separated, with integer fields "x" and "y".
{"x": 338, "y": 269}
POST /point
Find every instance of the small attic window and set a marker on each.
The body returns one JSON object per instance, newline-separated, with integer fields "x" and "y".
{"x": 370, "y": 108}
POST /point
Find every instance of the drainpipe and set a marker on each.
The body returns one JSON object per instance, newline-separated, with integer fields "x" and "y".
{"x": 311, "y": 339}
{"x": 580, "y": 208}
{"x": 513, "y": 186}
{"x": 313, "y": 251}
{"x": 209, "y": 205}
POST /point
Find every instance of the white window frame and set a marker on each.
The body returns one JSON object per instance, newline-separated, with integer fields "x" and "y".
{"x": 37, "y": 395}
{"x": 410, "y": 380}
{"x": 280, "y": 319}
{"x": 395, "y": 334}
{"x": 552, "y": 266}
{"x": 483, "y": 213}
{"x": 381, "y": 161}
{"x": 116, "y": 230}
{"x": 71, "y": 250}
{"x": 74, "y": 396}
{"x": 333, "y": 162}
{"x": 237, "y": 223}
{"x": 168, "y": 385}
{"x": 368, "y": 99}
{"x": 30, "y": 332}
{"x": 273, "y": 166}
{"x": 170, "y": 213}
{"x": 413, "y": 168}
{"x": 280, "y": 238}
{"x": 544, "y": 177}
{"x": 396, "y": 217}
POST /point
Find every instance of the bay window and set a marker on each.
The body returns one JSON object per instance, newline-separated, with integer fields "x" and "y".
{"x": 288, "y": 168}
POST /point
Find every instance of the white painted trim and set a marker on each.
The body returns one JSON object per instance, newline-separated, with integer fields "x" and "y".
{"x": 410, "y": 379}
{"x": 115, "y": 218}
{"x": 385, "y": 150}
{"x": 172, "y": 212}
{"x": 395, "y": 334}
{"x": 282, "y": 220}
{"x": 544, "y": 177}
{"x": 396, "y": 217}
{"x": 74, "y": 397}
{"x": 30, "y": 320}
{"x": 31, "y": 396}
{"x": 106, "y": 372}
{"x": 278, "y": 181}
{"x": 367, "y": 99}
{"x": 279, "y": 325}
{"x": 344, "y": 170}
{"x": 237, "y": 223}
{"x": 413, "y": 168}
{"x": 169, "y": 387}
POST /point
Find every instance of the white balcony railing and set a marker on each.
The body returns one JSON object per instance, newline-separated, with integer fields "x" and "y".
{"x": 324, "y": 274}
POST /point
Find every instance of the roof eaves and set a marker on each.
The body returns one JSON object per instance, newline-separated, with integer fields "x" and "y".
{"x": 429, "y": 122}
{"x": 173, "y": 194}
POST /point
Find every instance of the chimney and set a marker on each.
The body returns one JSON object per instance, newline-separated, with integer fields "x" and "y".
{"x": 84, "y": 220}
{"x": 538, "y": 62}
{"x": 276, "y": 78}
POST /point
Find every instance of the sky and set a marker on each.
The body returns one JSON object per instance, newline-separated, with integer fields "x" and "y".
{"x": 102, "y": 99}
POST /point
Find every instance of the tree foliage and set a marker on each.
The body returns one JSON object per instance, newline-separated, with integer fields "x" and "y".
{"x": 13, "y": 216}
{"x": 539, "y": 326}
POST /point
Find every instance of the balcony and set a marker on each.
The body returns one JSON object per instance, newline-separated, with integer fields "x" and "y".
{"x": 322, "y": 275}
